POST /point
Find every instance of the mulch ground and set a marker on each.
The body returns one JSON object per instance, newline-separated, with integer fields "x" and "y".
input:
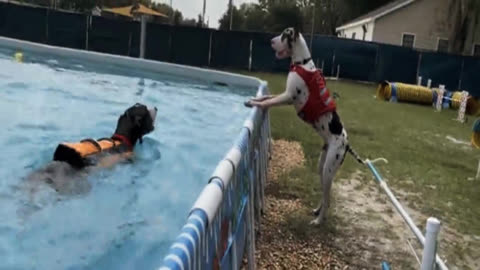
{"x": 277, "y": 247}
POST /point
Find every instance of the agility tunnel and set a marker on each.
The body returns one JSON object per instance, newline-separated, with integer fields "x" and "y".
{"x": 402, "y": 92}
{"x": 476, "y": 134}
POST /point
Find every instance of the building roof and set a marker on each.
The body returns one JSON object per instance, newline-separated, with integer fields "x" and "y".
{"x": 129, "y": 11}
{"x": 377, "y": 13}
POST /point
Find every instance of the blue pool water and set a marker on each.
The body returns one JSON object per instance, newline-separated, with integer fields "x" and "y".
{"x": 133, "y": 211}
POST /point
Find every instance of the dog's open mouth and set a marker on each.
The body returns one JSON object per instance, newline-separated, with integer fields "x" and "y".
{"x": 281, "y": 54}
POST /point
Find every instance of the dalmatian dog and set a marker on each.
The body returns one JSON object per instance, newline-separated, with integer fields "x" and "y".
{"x": 306, "y": 90}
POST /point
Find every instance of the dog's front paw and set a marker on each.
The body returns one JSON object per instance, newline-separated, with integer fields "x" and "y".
{"x": 317, "y": 221}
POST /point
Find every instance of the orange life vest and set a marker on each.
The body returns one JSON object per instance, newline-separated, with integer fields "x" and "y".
{"x": 83, "y": 153}
{"x": 319, "y": 99}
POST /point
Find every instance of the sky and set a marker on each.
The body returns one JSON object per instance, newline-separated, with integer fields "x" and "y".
{"x": 214, "y": 11}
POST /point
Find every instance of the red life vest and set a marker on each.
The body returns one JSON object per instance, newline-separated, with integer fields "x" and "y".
{"x": 319, "y": 99}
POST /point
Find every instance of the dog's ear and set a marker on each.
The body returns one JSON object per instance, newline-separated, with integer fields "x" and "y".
{"x": 134, "y": 119}
{"x": 289, "y": 35}
{"x": 296, "y": 33}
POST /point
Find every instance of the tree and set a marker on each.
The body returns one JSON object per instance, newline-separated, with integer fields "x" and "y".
{"x": 465, "y": 21}
{"x": 237, "y": 22}
{"x": 79, "y": 5}
{"x": 200, "y": 22}
{"x": 189, "y": 22}
{"x": 255, "y": 17}
{"x": 329, "y": 14}
{"x": 177, "y": 18}
{"x": 283, "y": 15}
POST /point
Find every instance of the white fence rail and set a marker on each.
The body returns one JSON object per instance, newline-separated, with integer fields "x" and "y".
{"x": 433, "y": 225}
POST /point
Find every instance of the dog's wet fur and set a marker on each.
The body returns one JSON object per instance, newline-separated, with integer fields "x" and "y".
{"x": 66, "y": 179}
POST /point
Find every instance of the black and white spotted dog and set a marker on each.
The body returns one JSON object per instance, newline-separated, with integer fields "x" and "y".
{"x": 306, "y": 90}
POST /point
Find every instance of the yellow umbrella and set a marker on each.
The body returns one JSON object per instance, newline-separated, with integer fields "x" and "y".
{"x": 129, "y": 11}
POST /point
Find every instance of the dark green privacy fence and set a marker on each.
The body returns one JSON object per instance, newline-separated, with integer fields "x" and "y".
{"x": 352, "y": 59}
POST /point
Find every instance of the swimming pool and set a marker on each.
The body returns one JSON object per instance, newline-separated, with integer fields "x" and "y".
{"x": 134, "y": 211}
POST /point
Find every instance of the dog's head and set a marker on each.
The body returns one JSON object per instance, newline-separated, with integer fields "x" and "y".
{"x": 285, "y": 42}
{"x": 136, "y": 122}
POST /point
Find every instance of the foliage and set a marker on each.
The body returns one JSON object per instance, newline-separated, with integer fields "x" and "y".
{"x": 274, "y": 15}
{"x": 465, "y": 16}
{"x": 87, "y": 5}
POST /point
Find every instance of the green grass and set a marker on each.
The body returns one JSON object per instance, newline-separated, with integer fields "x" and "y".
{"x": 411, "y": 137}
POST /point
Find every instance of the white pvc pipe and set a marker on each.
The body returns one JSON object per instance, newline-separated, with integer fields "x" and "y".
{"x": 224, "y": 172}
{"x": 430, "y": 248}
{"x": 429, "y": 83}
{"x": 234, "y": 155}
{"x": 249, "y": 125}
{"x": 209, "y": 201}
{"x": 402, "y": 212}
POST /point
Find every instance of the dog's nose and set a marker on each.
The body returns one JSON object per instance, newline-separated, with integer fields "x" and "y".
{"x": 155, "y": 109}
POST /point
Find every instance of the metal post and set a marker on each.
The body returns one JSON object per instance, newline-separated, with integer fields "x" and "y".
{"x": 210, "y": 48}
{"x": 333, "y": 64}
{"x": 419, "y": 63}
{"x": 86, "y": 32}
{"x": 173, "y": 13}
{"x": 430, "y": 248}
{"x": 313, "y": 26}
{"x": 251, "y": 226}
{"x": 250, "y": 56}
{"x": 230, "y": 5}
{"x": 419, "y": 80}
{"x": 429, "y": 83}
{"x": 203, "y": 14}
{"x": 338, "y": 72}
{"x": 461, "y": 75}
{"x": 143, "y": 36}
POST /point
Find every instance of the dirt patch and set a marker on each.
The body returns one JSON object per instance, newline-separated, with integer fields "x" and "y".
{"x": 375, "y": 233}
{"x": 362, "y": 231}
{"x": 380, "y": 232}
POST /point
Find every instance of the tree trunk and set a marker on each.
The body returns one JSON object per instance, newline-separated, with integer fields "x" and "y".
{"x": 464, "y": 23}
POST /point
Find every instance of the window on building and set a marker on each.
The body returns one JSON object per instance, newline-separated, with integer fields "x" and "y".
{"x": 442, "y": 45}
{"x": 476, "y": 49}
{"x": 408, "y": 40}
{"x": 353, "y": 35}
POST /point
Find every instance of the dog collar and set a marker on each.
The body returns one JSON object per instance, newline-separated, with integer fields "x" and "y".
{"x": 306, "y": 60}
{"x": 123, "y": 139}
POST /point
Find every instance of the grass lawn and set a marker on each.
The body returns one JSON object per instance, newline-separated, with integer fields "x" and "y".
{"x": 438, "y": 173}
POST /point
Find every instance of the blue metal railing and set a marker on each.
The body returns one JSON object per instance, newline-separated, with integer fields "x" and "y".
{"x": 220, "y": 227}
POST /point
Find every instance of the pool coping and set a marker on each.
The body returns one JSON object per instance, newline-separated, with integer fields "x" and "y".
{"x": 145, "y": 64}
